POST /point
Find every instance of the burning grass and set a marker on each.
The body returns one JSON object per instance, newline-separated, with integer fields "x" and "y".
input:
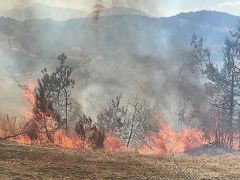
{"x": 32, "y": 162}
{"x": 166, "y": 141}
{"x": 49, "y": 118}
{"x": 38, "y": 129}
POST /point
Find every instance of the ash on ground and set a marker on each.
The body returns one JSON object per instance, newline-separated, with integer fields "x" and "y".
{"x": 211, "y": 150}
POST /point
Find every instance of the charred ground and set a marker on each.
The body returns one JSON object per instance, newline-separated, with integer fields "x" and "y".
{"x": 35, "y": 162}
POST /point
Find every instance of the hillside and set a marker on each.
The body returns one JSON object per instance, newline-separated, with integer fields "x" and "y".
{"x": 31, "y": 162}
{"x": 122, "y": 35}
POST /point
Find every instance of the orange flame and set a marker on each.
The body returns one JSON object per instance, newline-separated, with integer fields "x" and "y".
{"x": 69, "y": 141}
{"x": 114, "y": 144}
{"x": 28, "y": 93}
{"x": 60, "y": 137}
{"x": 168, "y": 140}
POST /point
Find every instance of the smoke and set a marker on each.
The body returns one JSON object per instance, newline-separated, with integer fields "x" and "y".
{"x": 10, "y": 96}
{"x": 151, "y": 8}
{"x": 163, "y": 82}
{"x": 129, "y": 55}
{"x": 10, "y": 4}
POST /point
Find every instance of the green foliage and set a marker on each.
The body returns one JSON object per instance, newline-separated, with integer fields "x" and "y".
{"x": 53, "y": 101}
{"x": 225, "y": 83}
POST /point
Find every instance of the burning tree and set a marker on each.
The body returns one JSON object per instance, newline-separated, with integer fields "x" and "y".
{"x": 52, "y": 104}
{"x": 225, "y": 83}
{"x": 61, "y": 88}
{"x": 89, "y": 132}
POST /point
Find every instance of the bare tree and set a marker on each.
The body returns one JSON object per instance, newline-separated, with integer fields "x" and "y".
{"x": 183, "y": 116}
{"x": 139, "y": 122}
{"x": 112, "y": 118}
{"x": 132, "y": 124}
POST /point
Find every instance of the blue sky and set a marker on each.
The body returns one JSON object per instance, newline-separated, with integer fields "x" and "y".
{"x": 153, "y": 7}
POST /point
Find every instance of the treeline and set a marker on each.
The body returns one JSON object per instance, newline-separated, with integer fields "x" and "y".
{"x": 221, "y": 125}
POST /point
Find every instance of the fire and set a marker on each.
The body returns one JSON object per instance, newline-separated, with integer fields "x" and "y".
{"x": 166, "y": 141}
{"x": 22, "y": 139}
{"x": 114, "y": 144}
{"x": 69, "y": 141}
{"x": 28, "y": 93}
{"x": 60, "y": 137}
{"x": 170, "y": 141}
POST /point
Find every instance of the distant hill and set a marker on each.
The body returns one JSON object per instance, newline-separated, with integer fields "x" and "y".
{"x": 119, "y": 36}
{"x": 126, "y": 34}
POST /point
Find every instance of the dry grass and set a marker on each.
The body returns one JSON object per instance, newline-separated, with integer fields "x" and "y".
{"x": 32, "y": 162}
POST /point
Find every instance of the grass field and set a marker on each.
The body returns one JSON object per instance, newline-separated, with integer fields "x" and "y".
{"x": 34, "y": 162}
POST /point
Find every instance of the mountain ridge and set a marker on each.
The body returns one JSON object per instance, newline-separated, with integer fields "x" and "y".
{"x": 128, "y": 33}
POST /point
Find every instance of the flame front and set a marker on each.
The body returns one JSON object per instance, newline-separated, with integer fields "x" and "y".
{"x": 166, "y": 141}
{"x": 170, "y": 141}
{"x": 114, "y": 144}
{"x": 60, "y": 137}
{"x": 28, "y": 94}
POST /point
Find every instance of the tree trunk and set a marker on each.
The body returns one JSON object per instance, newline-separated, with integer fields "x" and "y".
{"x": 13, "y": 136}
{"x": 132, "y": 125}
{"x": 130, "y": 135}
{"x": 66, "y": 110}
{"x": 48, "y": 134}
{"x": 231, "y": 110}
